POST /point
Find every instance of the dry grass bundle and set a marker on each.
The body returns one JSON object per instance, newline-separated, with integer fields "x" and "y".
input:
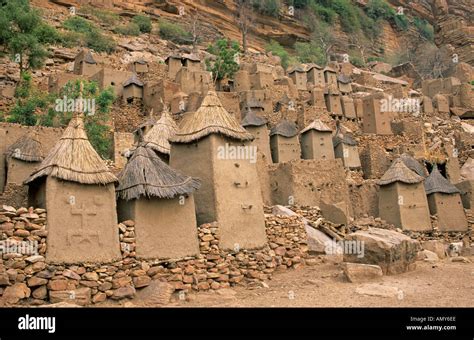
{"x": 160, "y": 134}
{"x": 285, "y": 129}
{"x": 74, "y": 159}
{"x": 437, "y": 183}
{"x": 27, "y": 148}
{"x": 146, "y": 175}
{"x": 399, "y": 172}
{"x": 211, "y": 117}
{"x": 317, "y": 125}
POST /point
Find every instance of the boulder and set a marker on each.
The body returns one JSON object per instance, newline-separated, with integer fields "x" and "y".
{"x": 157, "y": 293}
{"x": 435, "y": 246}
{"x": 16, "y": 292}
{"x": 394, "y": 252}
{"x": 80, "y": 296}
{"x": 335, "y": 212}
{"x": 379, "y": 290}
{"x": 123, "y": 292}
{"x": 358, "y": 272}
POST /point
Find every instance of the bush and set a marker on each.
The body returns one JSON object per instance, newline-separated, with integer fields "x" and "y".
{"x": 79, "y": 25}
{"x": 143, "y": 22}
{"x": 379, "y": 9}
{"x": 129, "y": 29}
{"x": 267, "y": 7}
{"x": 356, "y": 61}
{"x": 348, "y": 15}
{"x": 401, "y": 22}
{"x": 370, "y": 59}
{"x": 103, "y": 16}
{"x": 324, "y": 13}
{"x": 310, "y": 53}
{"x": 279, "y": 51}
{"x": 47, "y": 34}
{"x": 424, "y": 28}
{"x": 71, "y": 39}
{"x": 174, "y": 32}
{"x": 99, "y": 42}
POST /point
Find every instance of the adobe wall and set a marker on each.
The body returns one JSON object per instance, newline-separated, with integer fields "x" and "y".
{"x": 122, "y": 141}
{"x": 389, "y": 209}
{"x": 316, "y": 145}
{"x": 196, "y": 160}
{"x": 239, "y": 204}
{"x": 261, "y": 141}
{"x": 449, "y": 210}
{"x": 284, "y": 149}
{"x": 9, "y": 133}
{"x": 467, "y": 193}
{"x": 364, "y": 198}
{"x": 84, "y": 231}
{"x": 375, "y": 161}
{"x": 349, "y": 155}
{"x": 307, "y": 182}
{"x": 231, "y": 102}
{"x": 164, "y": 228}
{"x": 19, "y": 171}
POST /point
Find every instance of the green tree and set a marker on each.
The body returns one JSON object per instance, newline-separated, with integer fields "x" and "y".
{"x": 310, "y": 53}
{"x": 224, "y": 65}
{"x": 279, "y": 51}
{"x": 23, "y": 34}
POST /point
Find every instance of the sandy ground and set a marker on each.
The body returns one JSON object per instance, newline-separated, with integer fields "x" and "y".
{"x": 443, "y": 284}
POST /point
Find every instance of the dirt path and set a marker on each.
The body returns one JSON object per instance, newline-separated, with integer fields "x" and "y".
{"x": 443, "y": 284}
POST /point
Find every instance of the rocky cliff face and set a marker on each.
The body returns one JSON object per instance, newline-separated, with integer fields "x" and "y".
{"x": 452, "y": 19}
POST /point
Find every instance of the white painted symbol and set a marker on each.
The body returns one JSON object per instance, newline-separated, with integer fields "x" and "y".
{"x": 291, "y": 295}
{"x": 346, "y": 58}
{"x": 400, "y": 295}
{"x": 17, "y": 58}
{"x": 72, "y": 295}
{"x": 400, "y": 10}
{"x": 72, "y": 200}
{"x": 182, "y": 105}
{"x": 236, "y": 247}
{"x": 72, "y": 10}
{"x": 345, "y": 153}
{"x": 455, "y": 58}
{"x": 291, "y": 10}
{"x": 182, "y": 295}
{"x": 181, "y": 11}
{"x": 455, "y": 153}
{"x": 182, "y": 200}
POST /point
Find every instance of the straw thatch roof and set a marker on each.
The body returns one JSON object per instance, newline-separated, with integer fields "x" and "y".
{"x": 317, "y": 125}
{"x": 211, "y": 117}
{"x": 413, "y": 164}
{"x": 329, "y": 69}
{"x": 299, "y": 69}
{"x": 159, "y": 135}
{"x": 251, "y": 119}
{"x": 285, "y": 129}
{"x": 27, "y": 148}
{"x": 437, "y": 183}
{"x": 310, "y": 66}
{"x": 399, "y": 172}
{"x": 146, "y": 175}
{"x": 74, "y": 159}
{"x": 344, "y": 79}
{"x": 133, "y": 80}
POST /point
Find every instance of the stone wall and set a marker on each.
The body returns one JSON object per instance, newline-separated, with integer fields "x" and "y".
{"x": 27, "y": 279}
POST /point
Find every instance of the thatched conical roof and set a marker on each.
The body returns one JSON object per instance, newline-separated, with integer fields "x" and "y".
{"x": 435, "y": 182}
{"x": 399, "y": 172}
{"x": 74, "y": 159}
{"x": 317, "y": 125}
{"x": 27, "y": 148}
{"x": 413, "y": 164}
{"x": 159, "y": 135}
{"x": 284, "y": 128}
{"x": 211, "y": 117}
{"x": 146, "y": 175}
{"x": 251, "y": 119}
